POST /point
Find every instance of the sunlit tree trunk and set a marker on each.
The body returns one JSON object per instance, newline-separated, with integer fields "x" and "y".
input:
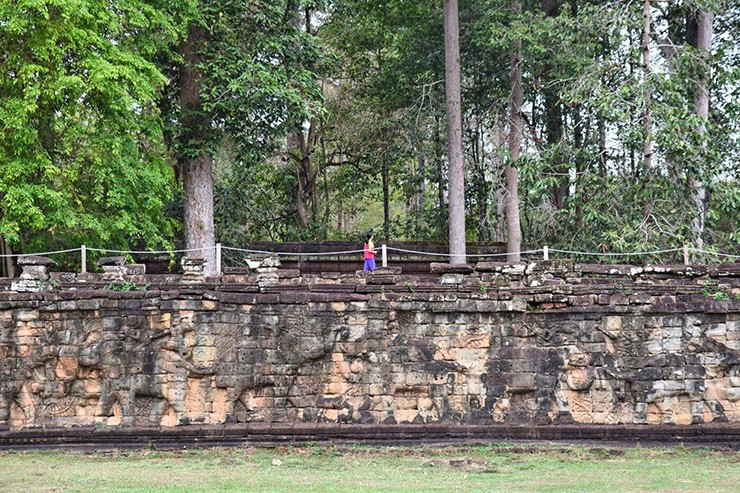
{"x": 516, "y": 98}
{"x": 703, "y": 43}
{"x": 197, "y": 167}
{"x": 454, "y": 115}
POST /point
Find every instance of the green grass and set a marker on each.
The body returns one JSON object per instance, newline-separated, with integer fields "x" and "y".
{"x": 505, "y": 468}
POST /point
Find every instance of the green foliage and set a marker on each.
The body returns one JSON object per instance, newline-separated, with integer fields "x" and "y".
{"x": 257, "y": 76}
{"x": 81, "y": 146}
{"x": 711, "y": 289}
{"x": 91, "y": 122}
{"x": 584, "y": 93}
{"x": 127, "y": 286}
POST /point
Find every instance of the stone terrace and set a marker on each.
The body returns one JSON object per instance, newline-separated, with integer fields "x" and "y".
{"x": 543, "y": 343}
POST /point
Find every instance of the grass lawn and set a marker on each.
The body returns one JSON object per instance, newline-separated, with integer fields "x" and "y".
{"x": 508, "y": 468}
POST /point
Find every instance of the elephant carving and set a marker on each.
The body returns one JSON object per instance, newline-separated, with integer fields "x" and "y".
{"x": 247, "y": 372}
{"x": 154, "y": 369}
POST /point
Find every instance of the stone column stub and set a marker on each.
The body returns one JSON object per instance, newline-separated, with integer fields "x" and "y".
{"x": 35, "y": 276}
{"x": 115, "y": 268}
{"x": 193, "y": 270}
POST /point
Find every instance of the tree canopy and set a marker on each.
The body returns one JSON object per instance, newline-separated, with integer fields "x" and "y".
{"x": 323, "y": 119}
{"x": 82, "y": 156}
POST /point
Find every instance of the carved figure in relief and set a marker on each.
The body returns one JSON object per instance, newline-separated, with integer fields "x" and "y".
{"x": 521, "y": 383}
{"x": 253, "y": 369}
{"x": 154, "y": 368}
{"x": 32, "y": 383}
{"x": 721, "y": 390}
{"x": 8, "y": 381}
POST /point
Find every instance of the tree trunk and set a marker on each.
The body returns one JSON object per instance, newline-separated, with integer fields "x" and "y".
{"x": 295, "y": 149}
{"x": 501, "y": 215}
{"x": 601, "y": 124}
{"x": 311, "y": 174}
{"x": 386, "y": 197}
{"x": 499, "y": 138}
{"x": 299, "y": 146}
{"x": 196, "y": 163}
{"x": 701, "y": 107}
{"x": 554, "y": 119}
{"x": 7, "y": 268}
{"x": 578, "y": 141}
{"x": 580, "y": 167}
{"x": 454, "y": 115}
{"x": 647, "y": 115}
{"x": 440, "y": 171}
{"x": 516, "y": 98}
{"x": 419, "y": 206}
{"x": 340, "y": 215}
{"x": 481, "y": 188}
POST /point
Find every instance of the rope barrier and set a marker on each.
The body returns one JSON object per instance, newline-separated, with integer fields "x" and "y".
{"x": 610, "y": 254}
{"x": 295, "y": 254}
{"x": 246, "y": 250}
{"x": 467, "y": 255}
{"x": 105, "y": 250}
{"x": 698, "y": 250}
{"x": 390, "y": 249}
{"x": 40, "y": 254}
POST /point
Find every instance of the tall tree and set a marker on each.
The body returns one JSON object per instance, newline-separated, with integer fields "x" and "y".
{"x": 454, "y": 116}
{"x": 647, "y": 110}
{"x": 80, "y": 137}
{"x": 516, "y": 98}
{"x": 196, "y": 163}
{"x": 703, "y": 43}
{"x": 302, "y": 144}
{"x": 582, "y": 66}
{"x": 244, "y": 73}
{"x": 553, "y": 111}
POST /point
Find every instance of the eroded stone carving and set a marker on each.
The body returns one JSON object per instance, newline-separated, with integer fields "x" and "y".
{"x": 328, "y": 353}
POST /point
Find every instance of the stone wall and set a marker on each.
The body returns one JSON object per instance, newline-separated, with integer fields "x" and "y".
{"x": 542, "y": 343}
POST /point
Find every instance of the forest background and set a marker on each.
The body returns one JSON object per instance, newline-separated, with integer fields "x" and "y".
{"x": 124, "y": 123}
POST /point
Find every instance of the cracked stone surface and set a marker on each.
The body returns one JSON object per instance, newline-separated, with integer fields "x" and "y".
{"x": 548, "y": 344}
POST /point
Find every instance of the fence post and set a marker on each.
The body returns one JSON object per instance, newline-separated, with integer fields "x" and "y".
{"x": 218, "y": 259}
{"x": 83, "y": 251}
{"x": 685, "y": 254}
{"x": 384, "y": 252}
{"x": 546, "y": 252}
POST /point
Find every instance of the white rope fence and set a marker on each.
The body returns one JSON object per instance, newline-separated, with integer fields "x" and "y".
{"x": 292, "y": 254}
{"x": 39, "y": 254}
{"x": 715, "y": 253}
{"x": 545, "y": 251}
{"x": 615, "y": 254}
{"x": 477, "y": 255}
{"x": 153, "y": 252}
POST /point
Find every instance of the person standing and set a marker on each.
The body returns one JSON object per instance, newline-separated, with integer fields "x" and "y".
{"x": 370, "y": 252}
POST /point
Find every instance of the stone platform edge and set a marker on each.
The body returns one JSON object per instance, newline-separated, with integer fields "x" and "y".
{"x": 726, "y": 435}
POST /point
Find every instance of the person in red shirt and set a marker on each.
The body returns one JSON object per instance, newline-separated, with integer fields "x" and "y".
{"x": 369, "y": 253}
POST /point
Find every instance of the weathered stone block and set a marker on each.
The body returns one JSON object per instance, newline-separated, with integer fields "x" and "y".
{"x": 446, "y": 268}
{"x": 193, "y": 270}
{"x": 34, "y": 277}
